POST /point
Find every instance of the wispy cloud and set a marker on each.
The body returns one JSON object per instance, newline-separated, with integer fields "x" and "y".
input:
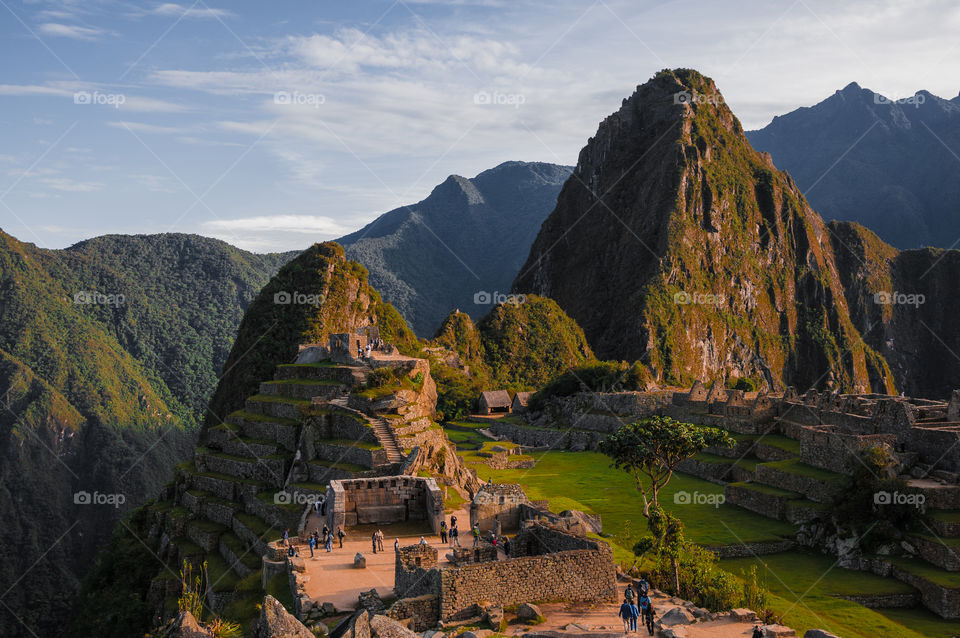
{"x": 73, "y": 31}
{"x": 178, "y": 10}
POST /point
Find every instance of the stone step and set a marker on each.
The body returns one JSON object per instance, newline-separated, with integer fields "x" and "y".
{"x": 205, "y": 533}
{"x": 258, "y": 426}
{"x": 945, "y": 523}
{"x": 240, "y": 556}
{"x": 276, "y": 406}
{"x": 794, "y": 476}
{"x": 270, "y": 470}
{"x": 939, "y": 552}
{"x": 253, "y": 448}
{"x": 304, "y": 388}
{"x": 222, "y": 486}
{"x": 348, "y": 375}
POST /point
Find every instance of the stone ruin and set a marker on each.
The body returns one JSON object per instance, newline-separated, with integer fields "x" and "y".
{"x": 384, "y": 500}
{"x": 546, "y": 563}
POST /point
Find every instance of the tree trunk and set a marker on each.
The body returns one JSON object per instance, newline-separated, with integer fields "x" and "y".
{"x": 676, "y": 575}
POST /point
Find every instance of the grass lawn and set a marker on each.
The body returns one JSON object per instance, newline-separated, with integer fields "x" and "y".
{"x": 813, "y": 580}
{"x": 585, "y": 481}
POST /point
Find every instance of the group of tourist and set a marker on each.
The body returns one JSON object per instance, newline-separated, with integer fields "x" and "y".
{"x": 377, "y": 540}
{"x": 364, "y": 351}
{"x": 631, "y": 610}
{"x": 326, "y": 540}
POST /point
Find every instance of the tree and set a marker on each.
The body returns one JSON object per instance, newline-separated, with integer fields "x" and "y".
{"x": 654, "y": 447}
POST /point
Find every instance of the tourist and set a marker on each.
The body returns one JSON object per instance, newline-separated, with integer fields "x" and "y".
{"x": 340, "y": 535}
{"x": 373, "y": 538}
{"x": 628, "y": 613}
{"x": 423, "y": 541}
{"x": 286, "y": 536}
{"x": 647, "y": 606}
{"x": 443, "y": 532}
{"x": 396, "y": 545}
{"x": 323, "y": 506}
{"x": 291, "y": 551}
{"x": 757, "y": 632}
{"x": 643, "y": 586}
{"x": 380, "y": 539}
{"x": 311, "y": 543}
{"x": 628, "y": 594}
{"x": 329, "y": 543}
{"x": 453, "y": 522}
{"x": 455, "y": 536}
{"x": 476, "y": 534}
{"x": 326, "y": 530}
{"x": 506, "y": 546}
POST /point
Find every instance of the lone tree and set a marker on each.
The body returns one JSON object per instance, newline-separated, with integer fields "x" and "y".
{"x": 654, "y": 447}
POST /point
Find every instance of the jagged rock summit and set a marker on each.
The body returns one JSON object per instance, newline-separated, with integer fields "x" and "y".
{"x": 675, "y": 243}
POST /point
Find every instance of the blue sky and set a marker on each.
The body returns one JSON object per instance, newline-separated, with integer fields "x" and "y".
{"x": 272, "y": 125}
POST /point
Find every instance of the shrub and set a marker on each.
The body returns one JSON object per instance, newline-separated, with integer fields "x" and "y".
{"x": 606, "y": 376}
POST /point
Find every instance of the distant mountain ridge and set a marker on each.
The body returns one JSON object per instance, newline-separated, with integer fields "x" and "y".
{"x": 889, "y": 164}
{"x": 468, "y": 237}
{"x": 109, "y": 351}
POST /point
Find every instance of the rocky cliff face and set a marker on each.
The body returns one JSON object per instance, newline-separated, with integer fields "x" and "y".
{"x": 677, "y": 244}
{"x": 469, "y": 236}
{"x": 904, "y": 304}
{"x": 888, "y": 164}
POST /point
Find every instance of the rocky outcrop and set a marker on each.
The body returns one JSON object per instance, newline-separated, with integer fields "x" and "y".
{"x": 675, "y": 243}
{"x": 277, "y": 622}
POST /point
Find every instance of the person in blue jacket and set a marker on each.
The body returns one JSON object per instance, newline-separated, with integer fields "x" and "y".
{"x": 629, "y": 613}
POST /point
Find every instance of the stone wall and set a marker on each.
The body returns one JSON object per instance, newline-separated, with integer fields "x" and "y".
{"x": 497, "y": 502}
{"x": 586, "y": 575}
{"x": 422, "y": 611}
{"x": 384, "y": 500}
{"x": 553, "y": 438}
{"x": 415, "y": 572}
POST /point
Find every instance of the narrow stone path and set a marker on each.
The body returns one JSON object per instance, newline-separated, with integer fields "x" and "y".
{"x": 383, "y": 431}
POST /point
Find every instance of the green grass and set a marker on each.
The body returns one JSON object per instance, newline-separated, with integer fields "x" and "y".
{"x": 207, "y": 526}
{"x": 279, "y": 588}
{"x": 779, "y": 441}
{"x": 346, "y": 467}
{"x": 262, "y": 418}
{"x": 269, "y": 398}
{"x": 258, "y": 527}
{"x": 250, "y": 559}
{"x": 815, "y": 581}
{"x": 923, "y": 569}
{"x": 585, "y": 481}
{"x": 364, "y": 445}
{"x": 947, "y": 516}
{"x": 799, "y": 468}
{"x": 767, "y": 489}
{"x": 316, "y": 382}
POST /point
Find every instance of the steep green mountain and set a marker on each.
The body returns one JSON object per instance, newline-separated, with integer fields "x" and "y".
{"x": 676, "y": 244}
{"x": 108, "y": 352}
{"x": 520, "y": 346}
{"x": 318, "y": 293}
{"x": 468, "y": 237}
{"x": 888, "y": 164}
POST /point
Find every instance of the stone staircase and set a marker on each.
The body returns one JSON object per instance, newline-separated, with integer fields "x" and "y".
{"x": 381, "y": 428}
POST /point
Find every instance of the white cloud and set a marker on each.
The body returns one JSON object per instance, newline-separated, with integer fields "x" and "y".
{"x": 143, "y": 127}
{"x": 70, "y": 185}
{"x": 72, "y": 31}
{"x": 177, "y": 10}
{"x": 304, "y": 224}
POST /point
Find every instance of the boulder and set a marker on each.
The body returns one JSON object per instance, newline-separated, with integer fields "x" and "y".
{"x": 676, "y": 616}
{"x": 187, "y": 626}
{"x": 528, "y": 612}
{"x": 743, "y": 615}
{"x": 276, "y": 622}
{"x": 360, "y": 561}
{"x": 477, "y": 633}
{"x": 383, "y": 627}
{"x": 494, "y": 616}
{"x": 777, "y": 631}
{"x": 329, "y": 609}
{"x": 819, "y": 633}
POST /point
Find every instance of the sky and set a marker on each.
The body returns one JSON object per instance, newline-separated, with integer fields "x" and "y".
{"x": 275, "y": 124}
